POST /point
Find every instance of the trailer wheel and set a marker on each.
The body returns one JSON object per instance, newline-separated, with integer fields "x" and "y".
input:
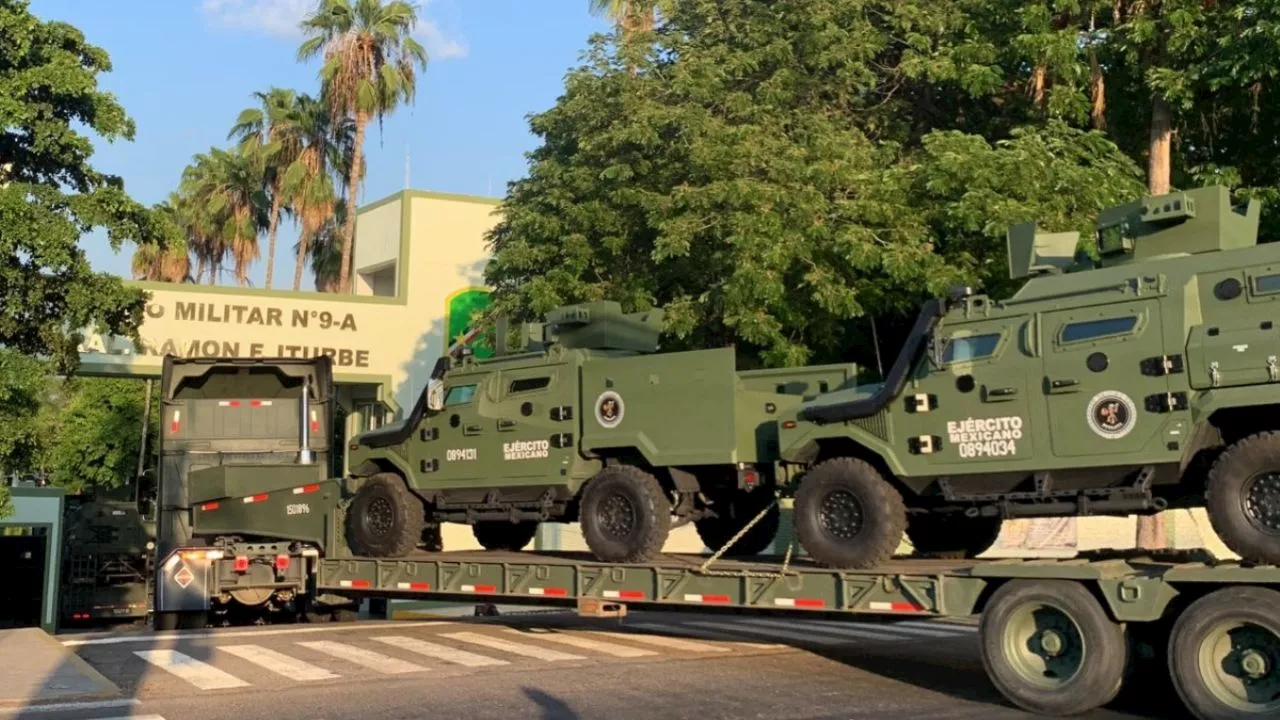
{"x": 738, "y": 509}
{"x": 1050, "y": 648}
{"x": 504, "y": 534}
{"x": 625, "y": 516}
{"x": 952, "y": 535}
{"x": 1224, "y": 654}
{"x": 1243, "y": 497}
{"x": 847, "y": 516}
{"x": 385, "y": 519}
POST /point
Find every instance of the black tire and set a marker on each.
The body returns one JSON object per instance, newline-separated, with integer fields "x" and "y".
{"x": 385, "y": 519}
{"x": 736, "y": 510}
{"x": 504, "y": 534}
{"x": 624, "y": 514}
{"x": 1223, "y": 654}
{"x": 952, "y": 535}
{"x": 863, "y": 522}
{"x": 1243, "y": 497}
{"x": 1084, "y": 667}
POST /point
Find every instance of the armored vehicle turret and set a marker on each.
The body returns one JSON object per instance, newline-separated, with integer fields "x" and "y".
{"x": 1144, "y": 380}
{"x": 585, "y": 421}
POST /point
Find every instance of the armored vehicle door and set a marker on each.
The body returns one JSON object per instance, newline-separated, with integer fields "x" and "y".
{"x": 452, "y": 439}
{"x": 973, "y": 395}
{"x": 1103, "y": 394}
{"x": 531, "y": 415}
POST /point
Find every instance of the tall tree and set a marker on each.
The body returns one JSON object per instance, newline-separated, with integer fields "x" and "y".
{"x": 370, "y": 67}
{"x": 24, "y": 387}
{"x": 324, "y": 253}
{"x": 50, "y": 194}
{"x": 171, "y": 263}
{"x": 632, "y": 16}
{"x": 228, "y": 184}
{"x": 272, "y": 130}
{"x": 309, "y": 182}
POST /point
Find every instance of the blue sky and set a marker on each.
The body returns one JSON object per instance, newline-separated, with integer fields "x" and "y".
{"x": 183, "y": 69}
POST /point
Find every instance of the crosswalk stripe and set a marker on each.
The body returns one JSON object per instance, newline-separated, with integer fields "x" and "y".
{"x": 675, "y": 643}
{"x": 514, "y": 648}
{"x": 847, "y": 630}
{"x": 278, "y": 663}
{"x": 439, "y": 652}
{"x": 740, "y": 628}
{"x": 703, "y": 633}
{"x": 368, "y": 658}
{"x": 201, "y": 674}
{"x": 587, "y": 643}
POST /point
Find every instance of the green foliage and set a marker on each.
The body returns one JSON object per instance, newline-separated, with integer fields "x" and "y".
{"x": 97, "y": 433}
{"x": 50, "y": 195}
{"x": 24, "y": 387}
{"x": 767, "y": 173}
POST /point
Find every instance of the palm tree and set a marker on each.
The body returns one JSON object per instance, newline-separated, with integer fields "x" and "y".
{"x": 370, "y": 62}
{"x": 271, "y": 129}
{"x": 325, "y": 249}
{"x": 308, "y": 184}
{"x": 632, "y": 16}
{"x": 171, "y": 263}
{"x": 227, "y": 183}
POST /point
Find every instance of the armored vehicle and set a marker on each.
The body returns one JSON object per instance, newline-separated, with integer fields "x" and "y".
{"x": 1144, "y": 380}
{"x": 107, "y": 555}
{"x": 588, "y": 422}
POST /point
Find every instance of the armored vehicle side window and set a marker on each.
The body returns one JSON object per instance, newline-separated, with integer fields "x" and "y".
{"x": 459, "y": 395}
{"x": 1094, "y": 329}
{"x": 1266, "y": 284}
{"x": 974, "y": 347}
{"x": 528, "y": 384}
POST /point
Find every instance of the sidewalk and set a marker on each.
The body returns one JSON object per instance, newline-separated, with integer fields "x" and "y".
{"x": 37, "y": 668}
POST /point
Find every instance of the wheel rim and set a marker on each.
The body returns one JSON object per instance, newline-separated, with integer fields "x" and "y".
{"x": 379, "y": 517}
{"x": 1044, "y": 645}
{"x": 1261, "y": 498}
{"x": 840, "y": 515}
{"x": 1239, "y": 662}
{"x": 617, "y": 516}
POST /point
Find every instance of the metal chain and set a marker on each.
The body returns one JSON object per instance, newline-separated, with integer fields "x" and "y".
{"x": 705, "y": 568}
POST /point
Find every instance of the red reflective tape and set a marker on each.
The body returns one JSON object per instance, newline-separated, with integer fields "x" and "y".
{"x": 413, "y": 586}
{"x": 255, "y": 403}
{"x": 479, "y": 588}
{"x": 255, "y": 498}
{"x": 551, "y": 591}
{"x": 305, "y": 489}
{"x": 896, "y": 606}
{"x": 234, "y": 403}
{"x": 810, "y": 603}
{"x": 719, "y": 599}
{"x": 210, "y": 506}
{"x": 354, "y": 583}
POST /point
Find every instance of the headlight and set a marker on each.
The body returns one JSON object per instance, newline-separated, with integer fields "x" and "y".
{"x": 151, "y": 545}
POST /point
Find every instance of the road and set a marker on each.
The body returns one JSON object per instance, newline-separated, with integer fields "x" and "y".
{"x": 552, "y": 666}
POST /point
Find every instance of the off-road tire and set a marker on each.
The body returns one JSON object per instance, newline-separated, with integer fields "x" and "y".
{"x": 1213, "y": 615}
{"x": 1105, "y": 648}
{"x": 1227, "y": 491}
{"x": 385, "y": 519}
{"x": 650, "y": 513}
{"x": 882, "y": 514}
{"x": 952, "y": 535}
{"x": 504, "y": 534}
{"x": 736, "y": 510}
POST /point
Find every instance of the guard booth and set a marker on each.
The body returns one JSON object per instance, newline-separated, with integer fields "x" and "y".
{"x": 30, "y": 553}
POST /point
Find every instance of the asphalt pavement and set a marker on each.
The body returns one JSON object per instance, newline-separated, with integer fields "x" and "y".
{"x": 553, "y": 666}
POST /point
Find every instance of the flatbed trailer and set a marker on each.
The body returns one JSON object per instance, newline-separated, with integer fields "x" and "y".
{"x": 1057, "y": 637}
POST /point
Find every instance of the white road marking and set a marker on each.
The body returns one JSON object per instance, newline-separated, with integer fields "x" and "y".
{"x": 741, "y": 629}
{"x": 674, "y": 643}
{"x": 374, "y": 661}
{"x": 153, "y": 637}
{"x": 73, "y": 706}
{"x": 278, "y": 663}
{"x": 439, "y": 652}
{"x": 201, "y": 674}
{"x": 587, "y": 643}
{"x": 683, "y": 630}
{"x": 514, "y": 648}
{"x": 853, "y": 630}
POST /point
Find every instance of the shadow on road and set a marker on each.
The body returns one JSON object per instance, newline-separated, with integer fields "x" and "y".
{"x": 550, "y": 707}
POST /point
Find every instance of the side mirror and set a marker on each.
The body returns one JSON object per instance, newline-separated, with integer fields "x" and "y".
{"x": 435, "y": 395}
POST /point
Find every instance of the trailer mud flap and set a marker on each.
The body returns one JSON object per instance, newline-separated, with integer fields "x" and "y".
{"x": 183, "y": 583}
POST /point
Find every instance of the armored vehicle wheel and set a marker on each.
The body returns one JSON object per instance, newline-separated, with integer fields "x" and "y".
{"x": 1224, "y": 654}
{"x": 736, "y": 510}
{"x": 952, "y": 535}
{"x": 625, "y": 516}
{"x": 1050, "y": 648}
{"x": 504, "y": 534}
{"x": 847, "y": 515}
{"x": 385, "y": 519}
{"x": 1243, "y": 497}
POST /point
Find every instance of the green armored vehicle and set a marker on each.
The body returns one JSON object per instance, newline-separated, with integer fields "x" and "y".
{"x": 1148, "y": 381}
{"x": 108, "y": 551}
{"x": 586, "y": 422}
